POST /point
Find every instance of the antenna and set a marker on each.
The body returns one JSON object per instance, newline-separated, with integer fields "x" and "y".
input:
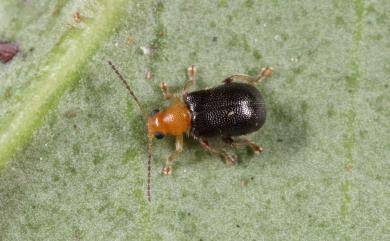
{"x": 127, "y": 87}
{"x": 149, "y": 176}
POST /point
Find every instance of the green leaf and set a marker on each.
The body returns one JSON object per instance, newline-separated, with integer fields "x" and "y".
{"x": 57, "y": 71}
{"x": 72, "y": 143}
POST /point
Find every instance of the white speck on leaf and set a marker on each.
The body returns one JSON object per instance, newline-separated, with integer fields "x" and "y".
{"x": 145, "y": 50}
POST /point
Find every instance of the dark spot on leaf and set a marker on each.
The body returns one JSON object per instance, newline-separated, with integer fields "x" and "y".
{"x": 139, "y": 51}
{"x": 363, "y": 134}
{"x": 234, "y": 41}
{"x": 279, "y": 140}
{"x": 370, "y": 9}
{"x": 297, "y": 70}
{"x": 249, "y": 3}
{"x": 301, "y": 195}
{"x": 78, "y": 233}
{"x": 284, "y": 36}
{"x": 160, "y": 7}
{"x": 70, "y": 168}
{"x": 97, "y": 159}
{"x": 77, "y": 17}
{"x": 304, "y": 107}
{"x": 102, "y": 208}
{"x": 331, "y": 111}
{"x": 244, "y": 182}
{"x": 215, "y": 38}
{"x": 159, "y": 42}
{"x": 222, "y": 3}
{"x": 70, "y": 113}
{"x": 376, "y": 36}
{"x": 7, "y": 51}
{"x": 76, "y": 148}
{"x": 349, "y": 167}
{"x": 56, "y": 178}
{"x": 253, "y": 71}
{"x": 245, "y": 43}
{"x": 130, "y": 154}
{"x": 340, "y": 21}
{"x": 257, "y": 55}
{"x": 237, "y": 225}
{"x": 8, "y": 92}
{"x": 58, "y": 7}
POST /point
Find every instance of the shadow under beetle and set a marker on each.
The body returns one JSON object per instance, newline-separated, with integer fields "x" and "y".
{"x": 229, "y": 110}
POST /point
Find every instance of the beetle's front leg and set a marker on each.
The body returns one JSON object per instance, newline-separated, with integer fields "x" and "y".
{"x": 229, "y": 158}
{"x": 264, "y": 73}
{"x": 240, "y": 142}
{"x": 167, "y": 170}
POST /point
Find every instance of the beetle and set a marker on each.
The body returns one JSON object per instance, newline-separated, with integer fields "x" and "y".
{"x": 228, "y": 110}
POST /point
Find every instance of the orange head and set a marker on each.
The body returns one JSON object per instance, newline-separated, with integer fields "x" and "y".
{"x": 175, "y": 121}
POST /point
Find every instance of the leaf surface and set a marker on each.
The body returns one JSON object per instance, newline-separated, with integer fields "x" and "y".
{"x": 73, "y": 144}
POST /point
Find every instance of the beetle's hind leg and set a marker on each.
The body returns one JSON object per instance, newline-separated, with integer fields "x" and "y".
{"x": 264, "y": 73}
{"x": 240, "y": 142}
{"x": 229, "y": 158}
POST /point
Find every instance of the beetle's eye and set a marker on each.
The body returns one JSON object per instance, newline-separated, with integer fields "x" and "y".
{"x": 154, "y": 112}
{"x": 159, "y": 135}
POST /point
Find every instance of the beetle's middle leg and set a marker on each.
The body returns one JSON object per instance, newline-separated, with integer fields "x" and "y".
{"x": 264, "y": 73}
{"x": 165, "y": 90}
{"x": 229, "y": 158}
{"x": 191, "y": 72}
{"x": 240, "y": 142}
{"x": 167, "y": 170}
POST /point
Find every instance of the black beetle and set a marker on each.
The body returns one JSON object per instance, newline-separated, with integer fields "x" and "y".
{"x": 231, "y": 109}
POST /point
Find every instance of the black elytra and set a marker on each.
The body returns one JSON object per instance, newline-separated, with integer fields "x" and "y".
{"x": 232, "y": 109}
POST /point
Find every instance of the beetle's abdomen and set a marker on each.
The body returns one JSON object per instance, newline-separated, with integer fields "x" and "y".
{"x": 228, "y": 110}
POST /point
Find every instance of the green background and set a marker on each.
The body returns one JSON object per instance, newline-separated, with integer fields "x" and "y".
{"x": 73, "y": 144}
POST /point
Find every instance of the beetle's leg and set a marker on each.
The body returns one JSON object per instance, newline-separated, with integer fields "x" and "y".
{"x": 264, "y": 73}
{"x": 191, "y": 71}
{"x": 229, "y": 158}
{"x": 239, "y": 77}
{"x": 167, "y": 170}
{"x": 165, "y": 90}
{"x": 240, "y": 142}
